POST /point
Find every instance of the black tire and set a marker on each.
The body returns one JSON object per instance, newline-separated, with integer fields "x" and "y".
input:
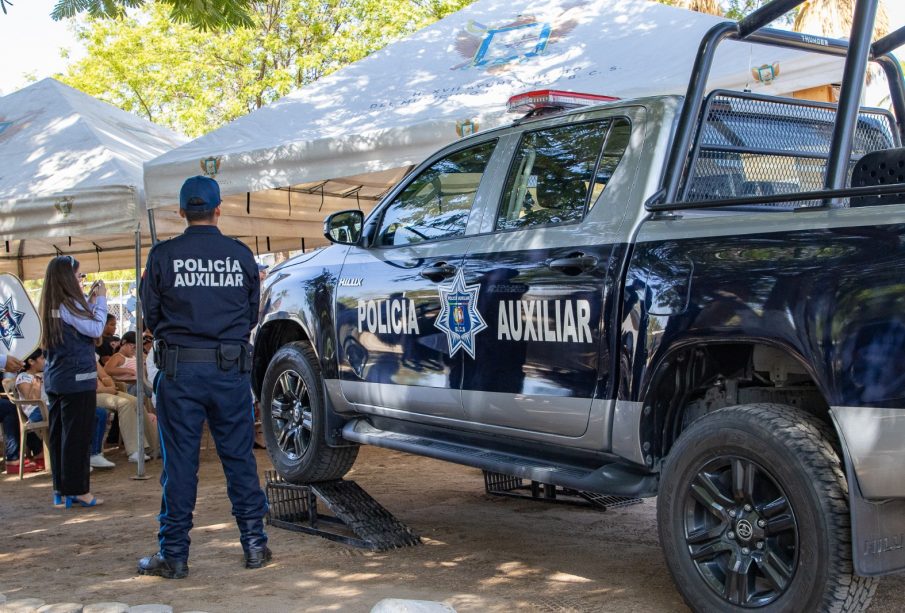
{"x": 792, "y": 556}
{"x": 293, "y": 421}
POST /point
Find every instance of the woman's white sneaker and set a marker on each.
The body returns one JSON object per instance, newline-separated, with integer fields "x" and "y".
{"x": 99, "y": 461}
{"x": 134, "y": 457}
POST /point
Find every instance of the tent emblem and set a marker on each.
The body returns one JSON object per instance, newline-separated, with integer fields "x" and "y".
{"x": 766, "y": 73}
{"x": 9, "y": 323}
{"x": 459, "y": 317}
{"x": 466, "y": 128}
{"x": 210, "y": 166}
{"x": 525, "y": 37}
{"x": 64, "y": 205}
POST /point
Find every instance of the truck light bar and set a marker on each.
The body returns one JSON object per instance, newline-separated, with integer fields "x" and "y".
{"x": 549, "y": 99}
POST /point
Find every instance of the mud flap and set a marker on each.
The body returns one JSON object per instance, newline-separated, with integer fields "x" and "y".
{"x": 878, "y": 530}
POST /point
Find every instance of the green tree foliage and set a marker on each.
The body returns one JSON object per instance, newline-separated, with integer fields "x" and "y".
{"x": 201, "y": 14}
{"x": 733, "y": 9}
{"x": 194, "y": 81}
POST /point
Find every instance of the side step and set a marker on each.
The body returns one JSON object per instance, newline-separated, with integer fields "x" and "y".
{"x": 498, "y": 484}
{"x": 614, "y": 479}
{"x": 357, "y": 519}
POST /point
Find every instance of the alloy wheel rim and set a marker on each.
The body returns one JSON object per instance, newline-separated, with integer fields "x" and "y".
{"x": 741, "y": 531}
{"x": 290, "y": 414}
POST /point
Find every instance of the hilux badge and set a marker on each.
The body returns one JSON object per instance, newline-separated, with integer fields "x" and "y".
{"x": 459, "y": 317}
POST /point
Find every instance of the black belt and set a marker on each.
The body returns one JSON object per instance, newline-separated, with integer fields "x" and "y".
{"x": 189, "y": 354}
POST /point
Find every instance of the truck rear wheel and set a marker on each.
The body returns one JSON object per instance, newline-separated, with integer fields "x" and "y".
{"x": 292, "y": 405}
{"x": 753, "y": 514}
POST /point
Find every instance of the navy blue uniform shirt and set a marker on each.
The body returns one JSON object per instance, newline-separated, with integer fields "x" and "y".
{"x": 201, "y": 289}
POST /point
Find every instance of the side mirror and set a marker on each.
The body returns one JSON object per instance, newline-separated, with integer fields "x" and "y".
{"x": 344, "y": 227}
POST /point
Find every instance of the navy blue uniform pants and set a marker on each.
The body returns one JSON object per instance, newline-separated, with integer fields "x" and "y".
{"x": 197, "y": 392}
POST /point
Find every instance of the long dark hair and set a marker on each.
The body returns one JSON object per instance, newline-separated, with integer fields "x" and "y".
{"x": 61, "y": 288}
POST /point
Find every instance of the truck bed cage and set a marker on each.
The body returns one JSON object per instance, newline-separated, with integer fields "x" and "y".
{"x": 857, "y": 51}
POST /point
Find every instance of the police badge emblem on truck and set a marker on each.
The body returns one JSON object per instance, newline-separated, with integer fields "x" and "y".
{"x": 459, "y": 317}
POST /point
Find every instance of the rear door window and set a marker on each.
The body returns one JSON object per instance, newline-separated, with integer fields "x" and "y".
{"x": 558, "y": 173}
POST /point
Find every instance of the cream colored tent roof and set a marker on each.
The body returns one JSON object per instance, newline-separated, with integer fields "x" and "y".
{"x": 71, "y": 178}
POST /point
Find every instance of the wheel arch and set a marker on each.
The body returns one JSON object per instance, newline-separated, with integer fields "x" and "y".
{"x": 685, "y": 373}
{"x": 270, "y": 337}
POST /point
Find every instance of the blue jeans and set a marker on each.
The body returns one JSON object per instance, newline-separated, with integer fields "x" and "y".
{"x": 9, "y": 417}
{"x": 10, "y": 421}
{"x": 100, "y": 428}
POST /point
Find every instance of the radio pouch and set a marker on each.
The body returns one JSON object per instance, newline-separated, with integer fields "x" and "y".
{"x": 228, "y": 356}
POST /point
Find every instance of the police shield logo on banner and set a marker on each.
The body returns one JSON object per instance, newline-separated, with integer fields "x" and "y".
{"x": 20, "y": 326}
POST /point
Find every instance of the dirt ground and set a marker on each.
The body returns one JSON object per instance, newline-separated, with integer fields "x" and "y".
{"x": 480, "y": 552}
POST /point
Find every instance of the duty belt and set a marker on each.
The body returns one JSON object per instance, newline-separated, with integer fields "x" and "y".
{"x": 188, "y": 354}
{"x": 226, "y": 356}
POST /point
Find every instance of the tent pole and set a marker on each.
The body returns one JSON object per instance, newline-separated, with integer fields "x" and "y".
{"x": 20, "y": 265}
{"x": 152, "y": 224}
{"x": 139, "y": 363}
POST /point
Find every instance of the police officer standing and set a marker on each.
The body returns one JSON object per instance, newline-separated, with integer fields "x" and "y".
{"x": 200, "y": 295}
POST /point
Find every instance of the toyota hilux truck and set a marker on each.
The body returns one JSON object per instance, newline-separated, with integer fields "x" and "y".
{"x": 699, "y": 298}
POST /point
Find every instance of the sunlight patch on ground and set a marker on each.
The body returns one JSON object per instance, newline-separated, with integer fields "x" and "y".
{"x": 360, "y": 577}
{"x": 212, "y": 527}
{"x": 337, "y": 591}
{"x": 38, "y": 531}
{"x": 567, "y": 578}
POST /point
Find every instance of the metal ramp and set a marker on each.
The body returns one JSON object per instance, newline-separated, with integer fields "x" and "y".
{"x": 499, "y": 484}
{"x": 354, "y": 517}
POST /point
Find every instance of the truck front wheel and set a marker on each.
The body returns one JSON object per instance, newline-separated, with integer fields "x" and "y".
{"x": 753, "y": 514}
{"x": 292, "y": 405}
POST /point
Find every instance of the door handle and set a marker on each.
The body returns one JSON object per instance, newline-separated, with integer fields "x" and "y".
{"x": 438, "y": 271}
{"x": 573, "y": 264}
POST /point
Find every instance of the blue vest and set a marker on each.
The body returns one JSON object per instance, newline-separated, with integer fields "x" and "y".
{"x": 71, "y": 365}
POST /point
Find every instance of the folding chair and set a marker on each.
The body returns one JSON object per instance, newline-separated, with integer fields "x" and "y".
{"x": 41, "y": 428}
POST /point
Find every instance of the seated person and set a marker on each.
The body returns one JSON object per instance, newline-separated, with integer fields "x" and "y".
{"x": 109, "y": 341}
{"x": 97, "y": 459}
{"x": 122, "y": 364}
{"x": 9, "y": 418}
{"x": 111, "y": 399}
{"x": 30, "y": 386}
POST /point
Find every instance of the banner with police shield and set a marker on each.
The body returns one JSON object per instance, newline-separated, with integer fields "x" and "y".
{"x": 20, "y": 326}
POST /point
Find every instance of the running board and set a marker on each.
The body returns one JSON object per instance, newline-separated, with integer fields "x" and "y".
{"x": 613, "y": 479}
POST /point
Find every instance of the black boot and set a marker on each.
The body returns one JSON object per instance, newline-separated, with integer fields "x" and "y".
{"x": 159, "y": 566}
{"x": 254, "y": 543}
{"x": 256, "y": 558}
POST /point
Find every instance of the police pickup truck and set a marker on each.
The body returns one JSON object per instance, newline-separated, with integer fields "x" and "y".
{"x": 700, "y": 298}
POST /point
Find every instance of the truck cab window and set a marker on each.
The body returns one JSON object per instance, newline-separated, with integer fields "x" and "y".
{"x": 437, "y": 202}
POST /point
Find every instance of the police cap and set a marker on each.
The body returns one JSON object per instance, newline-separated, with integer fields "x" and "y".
{"x": 199, "y": 194}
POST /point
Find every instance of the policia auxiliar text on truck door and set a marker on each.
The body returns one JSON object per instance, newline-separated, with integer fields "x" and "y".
{"x": 700, "y": 298}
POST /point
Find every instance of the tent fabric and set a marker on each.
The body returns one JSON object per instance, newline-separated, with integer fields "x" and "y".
{"x": 71, "y": 177}
{"x": 367, "y": 123}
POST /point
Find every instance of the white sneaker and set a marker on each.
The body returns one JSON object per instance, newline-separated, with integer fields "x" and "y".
{"x": 99, "y": 461}
{"x": 134, "y": 457}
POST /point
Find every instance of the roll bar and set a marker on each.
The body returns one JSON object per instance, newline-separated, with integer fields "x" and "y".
{"x": 857, "y": 51}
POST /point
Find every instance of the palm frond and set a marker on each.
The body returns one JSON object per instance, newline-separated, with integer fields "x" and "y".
{"x": 211, "y": 15}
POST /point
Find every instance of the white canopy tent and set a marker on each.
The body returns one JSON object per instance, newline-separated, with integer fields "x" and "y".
{"x": 345, "y": 140}
{"x": 71, "y": 178}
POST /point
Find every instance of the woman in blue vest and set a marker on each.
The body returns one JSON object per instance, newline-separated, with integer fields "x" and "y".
{"x": 71, "y": 323}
